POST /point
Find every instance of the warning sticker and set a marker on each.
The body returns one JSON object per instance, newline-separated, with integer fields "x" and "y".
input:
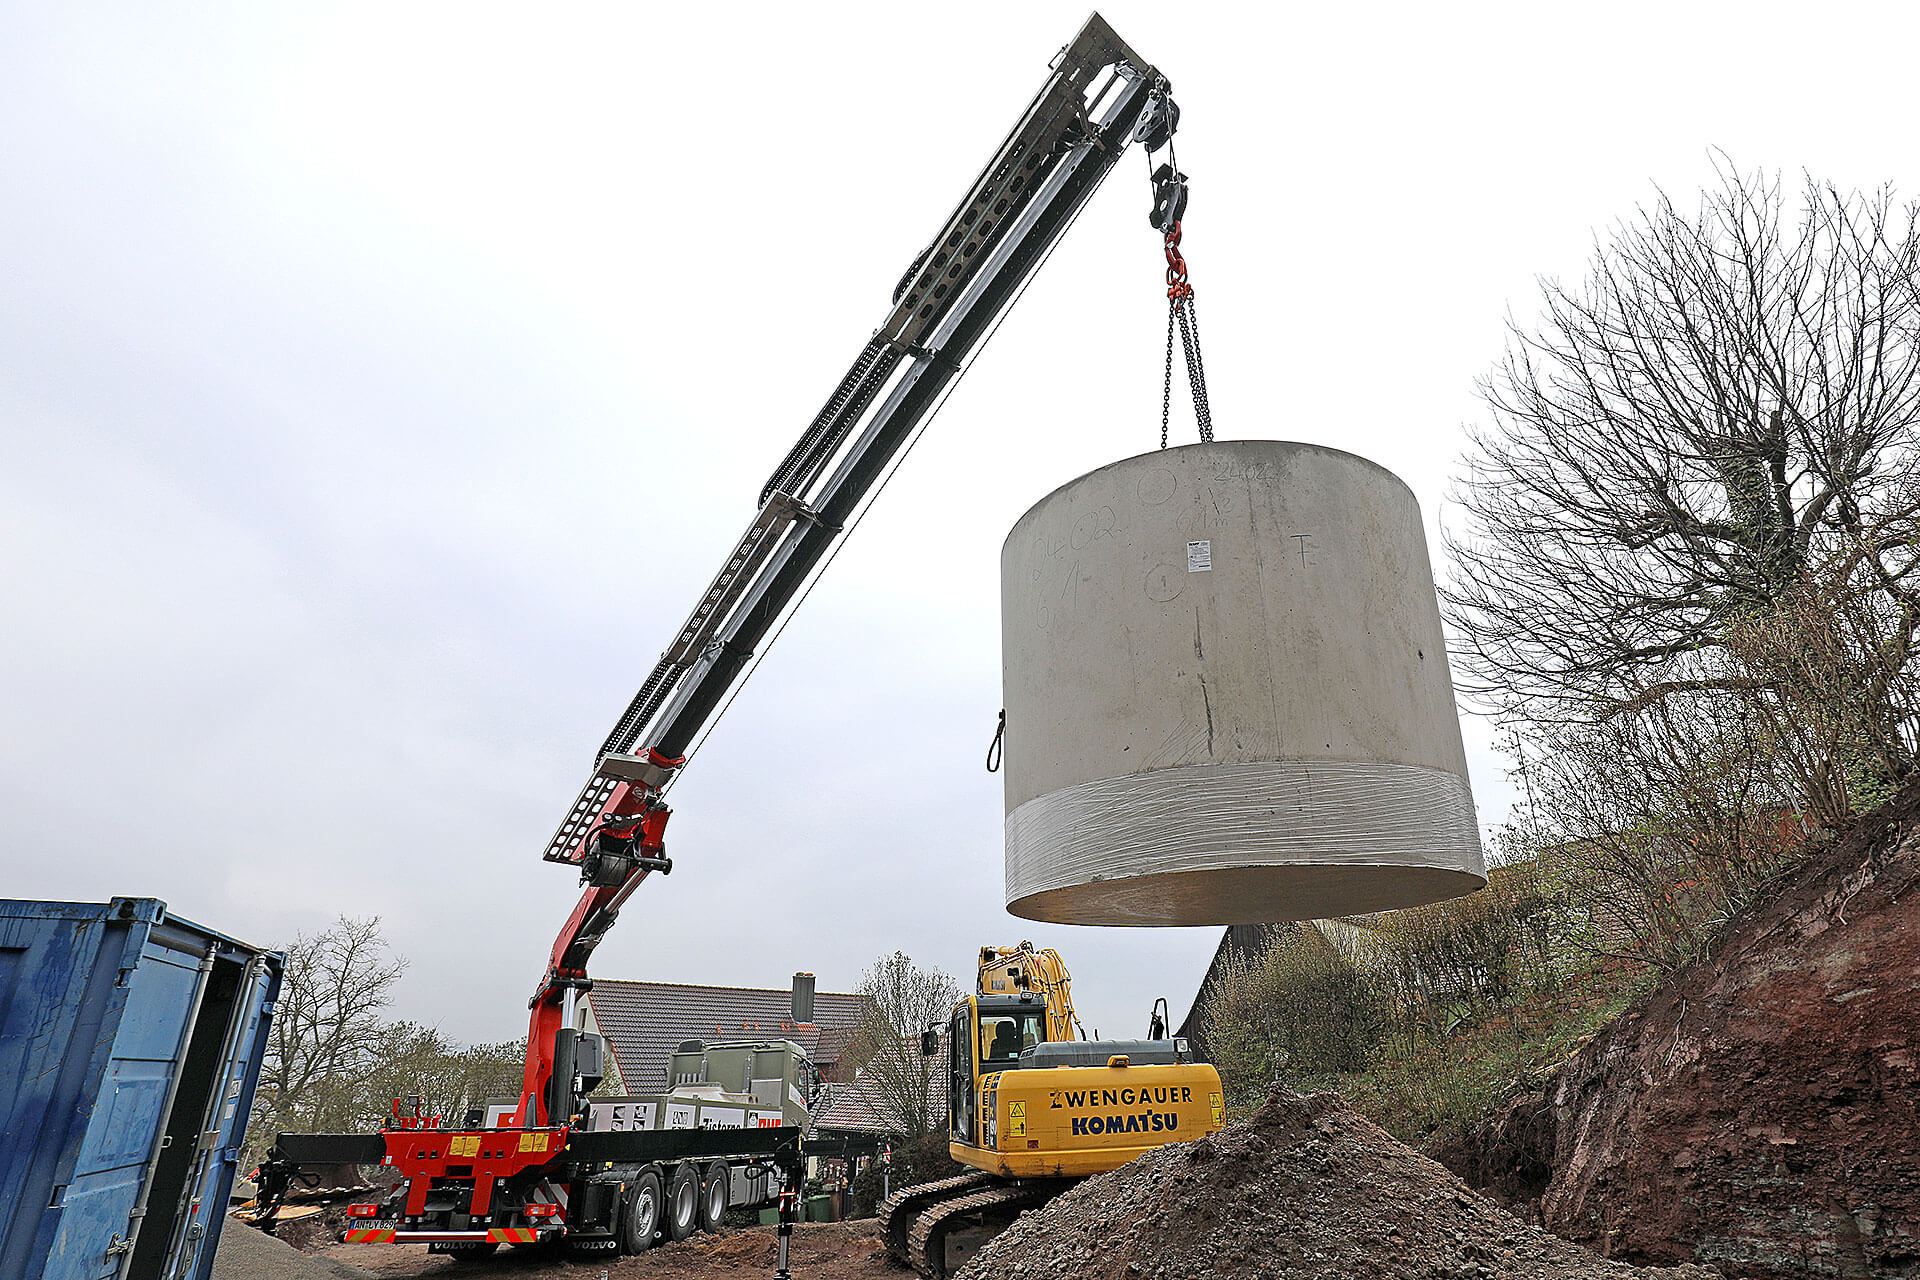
{"x": 1017, "y": 1119}
{"x": 468, "y": 1145}
{"x": 1200, "y": 556}
{"x": 533, "y": 1142}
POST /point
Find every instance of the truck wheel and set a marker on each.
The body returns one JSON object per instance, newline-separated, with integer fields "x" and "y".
{"x": 640, "y": 1218}
{"x": 683, "y": 1203}
{"x": 713, "y": 1203}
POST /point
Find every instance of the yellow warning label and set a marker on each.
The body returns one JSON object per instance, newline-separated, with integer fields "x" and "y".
{"x": 534, "y": 1141}
{"x": 464, "y": 1146}
{"x": 1017, "y": 1119}
{"x": 1219, "y": 1112}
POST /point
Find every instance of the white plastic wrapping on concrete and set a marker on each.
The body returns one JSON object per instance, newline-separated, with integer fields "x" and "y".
{"x": 1227, "y": 695}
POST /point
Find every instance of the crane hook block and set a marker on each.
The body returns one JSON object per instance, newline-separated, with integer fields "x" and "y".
{"x": 1169, "y": 198}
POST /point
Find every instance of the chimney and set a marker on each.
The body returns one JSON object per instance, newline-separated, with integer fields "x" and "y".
{"x": 803, "y": 997}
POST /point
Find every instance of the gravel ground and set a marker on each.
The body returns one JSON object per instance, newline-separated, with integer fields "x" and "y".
{"x": 1305, "y": 1190}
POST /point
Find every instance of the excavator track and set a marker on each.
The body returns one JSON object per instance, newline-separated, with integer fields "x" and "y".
{"x": 994, "y": 1206}
{"x": 898, "y": 1210}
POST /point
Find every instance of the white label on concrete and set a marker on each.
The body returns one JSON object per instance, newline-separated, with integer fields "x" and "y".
{"x": 1200, "y": 556}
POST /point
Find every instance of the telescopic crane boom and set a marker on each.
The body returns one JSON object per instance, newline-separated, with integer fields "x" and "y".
{"x": 1100, "y": 96}
{"x": 541, "y": 1171}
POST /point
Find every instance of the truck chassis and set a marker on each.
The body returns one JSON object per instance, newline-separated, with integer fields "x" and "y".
{"x": 467, "y": 1192}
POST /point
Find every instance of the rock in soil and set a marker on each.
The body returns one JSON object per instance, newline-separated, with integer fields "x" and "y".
{"x": 1306, "y": 1190}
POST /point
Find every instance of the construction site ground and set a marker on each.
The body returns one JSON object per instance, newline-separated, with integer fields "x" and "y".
{"x": 1304, "y": 1189}
{"x": 820, "y": 1251}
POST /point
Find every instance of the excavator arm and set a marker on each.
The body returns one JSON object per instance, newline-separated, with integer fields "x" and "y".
{"x": 1099, "y": 97}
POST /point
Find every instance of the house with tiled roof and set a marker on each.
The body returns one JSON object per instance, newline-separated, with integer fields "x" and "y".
{"x": 1240, "y": 944}
{"x": 835, "y": 1057}
{"x": 644, "y": 1022}
{"x": 862, "y": 1105}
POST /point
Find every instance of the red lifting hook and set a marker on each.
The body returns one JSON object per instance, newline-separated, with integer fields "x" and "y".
{"x": 1177, "y": 286}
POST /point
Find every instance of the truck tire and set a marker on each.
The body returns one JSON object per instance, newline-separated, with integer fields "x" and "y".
{"x": 683, "y": 1202}
{"x": 715, "y": 1195}
{"x": 640, "y": 1216}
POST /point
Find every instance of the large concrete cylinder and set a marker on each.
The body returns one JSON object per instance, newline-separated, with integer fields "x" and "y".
{"x": 1227, "y": 695}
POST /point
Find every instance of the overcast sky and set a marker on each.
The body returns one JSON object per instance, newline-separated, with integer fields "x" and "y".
{"x": 380, "y": 384}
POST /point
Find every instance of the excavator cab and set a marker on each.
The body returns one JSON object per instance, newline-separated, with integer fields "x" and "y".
{"x": 987, "y": 1035}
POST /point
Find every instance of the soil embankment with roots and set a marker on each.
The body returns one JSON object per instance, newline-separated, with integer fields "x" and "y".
{"x": 1761, "y": 1110}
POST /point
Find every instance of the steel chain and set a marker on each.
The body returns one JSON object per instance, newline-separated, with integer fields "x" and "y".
{"x": 1196, "y": 371}
{"x": 1166, "y": 382}
{"x": 1180, "y": 311}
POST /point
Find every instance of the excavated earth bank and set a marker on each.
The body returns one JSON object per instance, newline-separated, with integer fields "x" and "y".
{"x": 1761, "y": 1111}
{"x": 1305, "y": 1190}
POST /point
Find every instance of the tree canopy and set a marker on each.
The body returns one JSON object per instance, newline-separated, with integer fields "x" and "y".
{"x": 1699, "y": 481}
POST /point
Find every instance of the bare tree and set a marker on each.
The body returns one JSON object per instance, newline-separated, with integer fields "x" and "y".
{"x": 326, "y": 1034}
{"x": 411, "y": 1060}
{"x": 1701, "y": 480}
{"x": 902, "y": 1000}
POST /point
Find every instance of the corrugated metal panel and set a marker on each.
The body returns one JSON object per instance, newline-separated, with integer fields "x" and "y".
{"x": 130, "y": 1043}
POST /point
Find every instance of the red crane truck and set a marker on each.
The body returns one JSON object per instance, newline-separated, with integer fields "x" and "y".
{"x": 539, "y": 1174}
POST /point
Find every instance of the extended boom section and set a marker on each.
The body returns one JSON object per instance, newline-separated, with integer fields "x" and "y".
{"x": 1067, "y": 141}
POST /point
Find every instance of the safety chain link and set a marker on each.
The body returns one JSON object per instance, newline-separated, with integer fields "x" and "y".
{"x": 1180, "y": 311}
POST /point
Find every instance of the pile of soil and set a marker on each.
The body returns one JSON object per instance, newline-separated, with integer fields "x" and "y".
{"x": 1761, "y": 1111}
{"x": 245, "y": 1253}
{"x": 311, "y": 1231}
{"x": 1305, "y": 1190}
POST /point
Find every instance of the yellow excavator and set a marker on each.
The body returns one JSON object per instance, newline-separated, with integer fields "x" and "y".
{"x": 1033, "y": 1107}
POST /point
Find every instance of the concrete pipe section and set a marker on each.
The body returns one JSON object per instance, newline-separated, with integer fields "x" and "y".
{"x": 1227, "y": 695}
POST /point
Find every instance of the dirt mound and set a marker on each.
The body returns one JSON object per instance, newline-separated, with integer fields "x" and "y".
{"x": 1761, "y": 1111}
{"x": 743, "y": 1248}
{"x": 245, "y": 1253}
{"x": 1305, "y": 1190}
{"x": 310, "y": 1228}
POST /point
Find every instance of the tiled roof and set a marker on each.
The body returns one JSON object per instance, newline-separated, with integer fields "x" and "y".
{"x": 857, "y": 1107}
{"x": 1240, "y": 942}
{"x": 831, "y": 1056}
{"x": 646, "y": 1021}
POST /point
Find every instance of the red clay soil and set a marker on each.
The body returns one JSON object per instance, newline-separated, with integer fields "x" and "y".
{"x": 1761, "y": 1111}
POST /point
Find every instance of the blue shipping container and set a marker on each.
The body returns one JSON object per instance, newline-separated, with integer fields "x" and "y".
{"x": 130, "y": 1045}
